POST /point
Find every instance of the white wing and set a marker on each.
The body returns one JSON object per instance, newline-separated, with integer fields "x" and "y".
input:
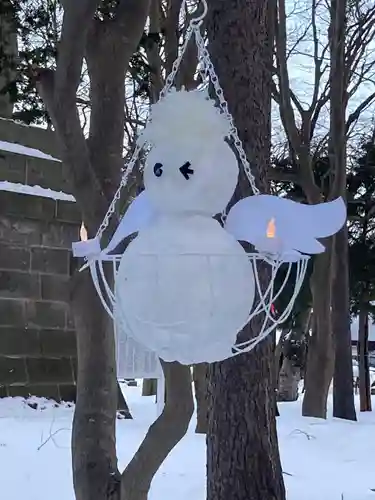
{"x": 296, "y": 225}
{"x": 139, "y": 215}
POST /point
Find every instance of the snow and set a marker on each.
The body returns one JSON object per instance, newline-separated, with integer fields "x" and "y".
{"x": 35, "y": 191}
{"x": 371, "y": 372}
{"x": 329, "y": 460}
{"x": 354, "y": 329}
{"x": 26, "y": 189}
{"x": 24, "y": 150}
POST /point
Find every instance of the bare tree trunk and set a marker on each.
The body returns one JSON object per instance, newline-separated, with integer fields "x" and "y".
{"x": 243, "y": 460}
{"x": 122, "y": 405}
{"x": 163, "y": 435}
{"x": 149, "y": 387}
{"x": 343, "y": 396}
{"x": 8, "y": 55}
{"x": 363, "y": 363}
{"x": 319, "y": 367}
{"x": 278, "y": 364}
{"x": 279, "y": 355}
{"x": 200, "y": 379}
{"x": 95, "y": 475}
{"x": 289, "y": 378}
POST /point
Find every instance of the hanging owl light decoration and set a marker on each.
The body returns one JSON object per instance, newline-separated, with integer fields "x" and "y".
{"x": 185, "y": 287}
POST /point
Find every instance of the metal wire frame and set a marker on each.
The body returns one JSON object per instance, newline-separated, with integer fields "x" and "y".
{"x": 261, "y": 308}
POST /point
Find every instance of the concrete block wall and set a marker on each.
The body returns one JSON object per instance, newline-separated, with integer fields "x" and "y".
{"x": 37, "y": 338}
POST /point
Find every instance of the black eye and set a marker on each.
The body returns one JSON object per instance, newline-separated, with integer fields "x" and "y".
{"x": 158, "y": 169}
{"x": 186, "y": 171}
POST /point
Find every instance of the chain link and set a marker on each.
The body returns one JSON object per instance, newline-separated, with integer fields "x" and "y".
{"x": 123, "y": 182}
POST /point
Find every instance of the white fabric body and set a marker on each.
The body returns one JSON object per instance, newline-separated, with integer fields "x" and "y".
{"x": 184, "y": 288}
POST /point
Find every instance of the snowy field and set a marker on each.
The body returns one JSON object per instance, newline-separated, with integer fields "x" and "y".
{"x": 322, "y": 460}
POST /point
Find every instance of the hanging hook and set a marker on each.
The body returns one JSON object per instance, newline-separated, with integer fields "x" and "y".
{"x": 197, "y": 21}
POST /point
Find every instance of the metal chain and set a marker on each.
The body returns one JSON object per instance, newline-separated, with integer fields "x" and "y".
{"x": 204, "y": 57}
{"x": 112, "y": 207}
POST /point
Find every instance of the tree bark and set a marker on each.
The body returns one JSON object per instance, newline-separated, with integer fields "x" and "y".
{"x": 289, "y": 378}
{"x": 122, "y": 405}
{"x": 363, "y": 363}
{"x": 163, "y": 435}
{"x": 319, "y": 366}
{"x": 200, "y": 379}
{"x": 149, "y": 387}
{"x": 243, "y": 460}
{"x": 343, "y": 397}
{"x": 95, "y": 473}
{"x": 8, "y": 55}
{"x": 343, "y": 394}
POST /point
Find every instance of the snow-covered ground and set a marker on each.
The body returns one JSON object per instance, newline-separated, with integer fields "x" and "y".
{"x": 325, "y": 460}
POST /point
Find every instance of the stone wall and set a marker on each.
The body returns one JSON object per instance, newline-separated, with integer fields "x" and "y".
{"x": 37, "y": 338}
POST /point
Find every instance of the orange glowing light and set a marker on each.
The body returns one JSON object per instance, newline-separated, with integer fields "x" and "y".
{"x": 83, "y": 233}
{"x": 271, "y": 229}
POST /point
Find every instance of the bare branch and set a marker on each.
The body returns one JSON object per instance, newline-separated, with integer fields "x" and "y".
{"x": 280, "y": 175}
{"x": 74, "y": 153}
{"x": 286, "y": 108}
{"x": 188, "y": 67}
{"x": 152, "y": 50}
{"x": 296, "y": 102}
{"x": 322, "y": 101}
{"x": 109, "y": 49}
{"x": 318, "y": 61}
{"x": 299, "y": 140}
{"x": 298, "y": 41}
{"x": 76, "y": 23}
{"x": 171, "y": 33}
{"x": 353, "y": 117}
{"x": 338, "y": 98}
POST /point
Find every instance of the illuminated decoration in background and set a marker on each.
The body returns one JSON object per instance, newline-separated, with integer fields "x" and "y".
{"x": 184, "y": 286}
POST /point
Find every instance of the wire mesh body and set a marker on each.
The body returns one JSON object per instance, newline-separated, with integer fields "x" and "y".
{"x": 265, "y": 296}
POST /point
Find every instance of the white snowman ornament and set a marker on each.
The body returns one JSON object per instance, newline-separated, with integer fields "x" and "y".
{"x": 185, "y": 286}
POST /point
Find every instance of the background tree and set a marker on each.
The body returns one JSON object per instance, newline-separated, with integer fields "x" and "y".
{"x": 344, "y": 42}
{"x": 8, "y": 57}
{"x": 361, "y": 197}
{"x": 200, "y": 379}
{"x": 343, "y": 400}
{"x": 295, "y": 333}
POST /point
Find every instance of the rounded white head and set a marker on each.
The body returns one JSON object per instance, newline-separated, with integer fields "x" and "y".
{"x": 190, "y": 169}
